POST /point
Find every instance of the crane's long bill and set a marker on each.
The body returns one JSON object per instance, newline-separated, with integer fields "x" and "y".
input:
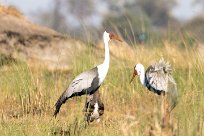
{"x": 133, "y": 76}
{"x": 113, "y": 36}
{"x": 117, "y": 38}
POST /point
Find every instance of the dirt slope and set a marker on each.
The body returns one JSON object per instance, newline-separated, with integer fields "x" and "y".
{"x": 23, "y": 39}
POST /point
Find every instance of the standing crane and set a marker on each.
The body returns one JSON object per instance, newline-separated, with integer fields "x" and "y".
{"x": 158, "y": 79}
{"x": 89, "y": 81}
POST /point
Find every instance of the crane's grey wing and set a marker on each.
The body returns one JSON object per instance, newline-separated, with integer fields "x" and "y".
{"x": 156, "y": 76}
{"x": 159, "y": 78}
{"x": 84, "y": 83}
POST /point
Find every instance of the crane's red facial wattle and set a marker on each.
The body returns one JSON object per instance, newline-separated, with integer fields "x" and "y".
{"x": 133, "y": 76}
{"x": 113, "y": 36}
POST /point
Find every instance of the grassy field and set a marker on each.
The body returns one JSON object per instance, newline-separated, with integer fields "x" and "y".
{"x": 28, "y": 94}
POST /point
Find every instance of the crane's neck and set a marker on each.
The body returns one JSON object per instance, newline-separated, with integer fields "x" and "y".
{"x": 103, "y": 68}
{"x": 107, "y": 55}
{"x": 142, "y": 77}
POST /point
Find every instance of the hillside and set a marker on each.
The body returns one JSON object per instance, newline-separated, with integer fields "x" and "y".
{"x": 20, "y": 38}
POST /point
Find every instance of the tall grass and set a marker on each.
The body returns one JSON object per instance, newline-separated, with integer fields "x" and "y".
{"x": 28, "y": 95}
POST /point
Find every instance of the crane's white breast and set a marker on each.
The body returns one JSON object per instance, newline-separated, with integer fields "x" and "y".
{"x": 102, "y": 72}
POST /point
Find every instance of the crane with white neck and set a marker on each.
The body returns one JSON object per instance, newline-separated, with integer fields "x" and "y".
{"x": 158, "y": 79}
{"x": 89, "y": 81}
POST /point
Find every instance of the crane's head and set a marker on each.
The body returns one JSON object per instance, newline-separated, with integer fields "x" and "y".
{"x": 109, "y": 36}
{"x": 138, "y": 70}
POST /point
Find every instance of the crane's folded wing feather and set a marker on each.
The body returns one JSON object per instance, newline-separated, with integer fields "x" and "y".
{"x": 85, "y": 83}
{"x": 157, "y": 76}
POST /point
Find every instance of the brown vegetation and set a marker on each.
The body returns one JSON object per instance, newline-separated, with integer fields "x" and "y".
{"x": 10, "y": 10}
{"x": 20, "y": 38}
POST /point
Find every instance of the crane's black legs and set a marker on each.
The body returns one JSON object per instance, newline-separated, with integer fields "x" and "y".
{"x": 87, "y": 109}
{"x": 94, "y": 108}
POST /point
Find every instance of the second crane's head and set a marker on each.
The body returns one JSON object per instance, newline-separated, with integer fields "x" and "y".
{"x": 138, "y": 70}
{"x": 109, "y": 36}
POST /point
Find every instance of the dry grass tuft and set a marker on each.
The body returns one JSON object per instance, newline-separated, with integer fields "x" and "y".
{"x": 10, "y": 10}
